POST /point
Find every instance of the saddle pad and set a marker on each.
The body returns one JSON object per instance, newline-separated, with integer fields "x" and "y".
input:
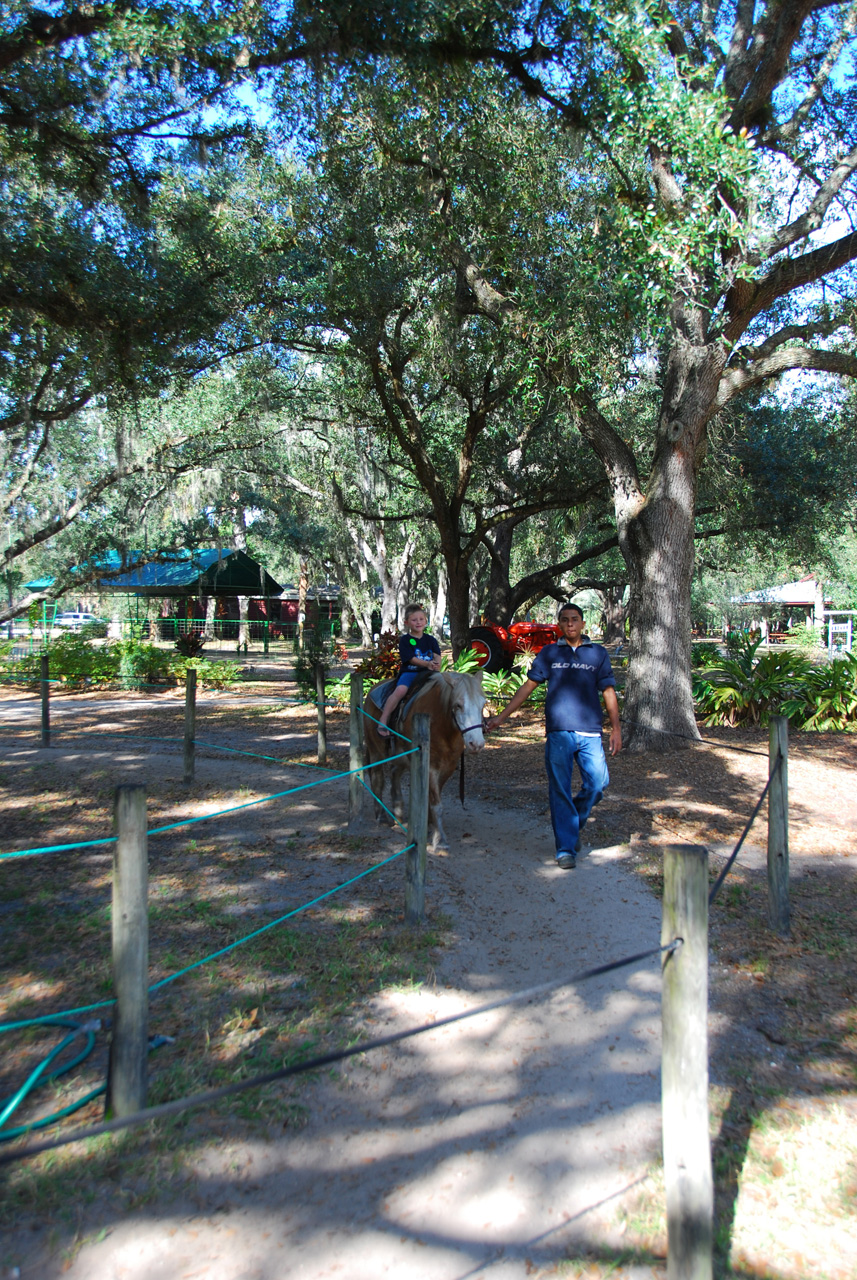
{"x": 379, "y": 695}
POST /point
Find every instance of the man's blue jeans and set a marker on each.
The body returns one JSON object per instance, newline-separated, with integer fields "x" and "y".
{"x": 568, "y": 814}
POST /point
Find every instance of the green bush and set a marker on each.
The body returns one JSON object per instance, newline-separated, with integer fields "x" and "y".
{"x": 703, "y": 654}
{"x": 141, "y": 663}
{"x": 74, "y": 660}
{"x": 499, "y": 686}
{"x": 210, "y": 674}
{"x": 747, "y": 689}
{"x": 829, "y": 698}
{"x": 93, "y": 630}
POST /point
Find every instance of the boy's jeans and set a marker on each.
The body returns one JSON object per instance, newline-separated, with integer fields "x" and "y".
{"x": 568, "y": 815}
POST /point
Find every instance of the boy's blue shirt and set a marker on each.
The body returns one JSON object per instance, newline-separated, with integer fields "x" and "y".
{"x": 575, "y": 679}
{"x": 409, "y": 647}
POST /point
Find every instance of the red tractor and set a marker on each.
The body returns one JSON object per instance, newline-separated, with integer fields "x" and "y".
{"x": 496, "y": 647}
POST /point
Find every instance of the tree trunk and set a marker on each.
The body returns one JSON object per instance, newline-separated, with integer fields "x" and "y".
{"x": 615, "y": 613}
{"x": 243, "y": 625}
{"x": 500, "y": 608}
{"x": 438, "y": 608}
{"x": 458, "y": 600}
{"x": 473, "y": 598}
{"x": 210, "y": 607}
{"x": 657, "y": 542}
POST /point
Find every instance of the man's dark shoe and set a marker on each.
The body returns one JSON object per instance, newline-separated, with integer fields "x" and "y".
{"x": 567, "y": 861}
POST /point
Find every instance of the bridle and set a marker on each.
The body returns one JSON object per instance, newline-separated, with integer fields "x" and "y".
{"x": 480, "y": 725}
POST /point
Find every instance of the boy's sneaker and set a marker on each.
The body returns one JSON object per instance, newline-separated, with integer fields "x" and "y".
{"x": 567, "y": 861}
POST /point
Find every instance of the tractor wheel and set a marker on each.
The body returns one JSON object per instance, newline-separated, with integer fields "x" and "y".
{"x": 488, "y": 650}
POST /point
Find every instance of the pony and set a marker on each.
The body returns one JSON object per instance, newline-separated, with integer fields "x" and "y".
{"x": 454, "y": 701}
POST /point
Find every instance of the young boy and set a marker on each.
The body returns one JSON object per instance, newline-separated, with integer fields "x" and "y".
{"x": 417, "y": 652}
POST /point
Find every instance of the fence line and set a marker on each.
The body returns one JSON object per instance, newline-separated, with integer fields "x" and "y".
{"x": 163, "y": 982}
{"x": 206, "y": 817}
{"x": 687, "y": 737}
{"x": 728, "y": 867}
{"x": 328, "y": 1059}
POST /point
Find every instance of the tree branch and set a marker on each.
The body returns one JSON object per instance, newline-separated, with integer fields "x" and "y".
{"x": 737, "y": 380}
{"x": 784, "y": 278}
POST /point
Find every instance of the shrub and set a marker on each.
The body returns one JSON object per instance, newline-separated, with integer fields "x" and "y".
{"x": 748, "y": 689}
{"x": 142, "y": 663}
{"x": 75, "y": 660}
{"x": 96, "y": 630}
{"x": 703, "y": 654}
{"x": 829, "y": 698}
{"x": 499, "y": 686}
{"x": 210, "y": 674}
{"x": 383, "y": 663}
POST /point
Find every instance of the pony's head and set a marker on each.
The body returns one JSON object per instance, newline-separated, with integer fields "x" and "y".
{"x": 465, "y": 704}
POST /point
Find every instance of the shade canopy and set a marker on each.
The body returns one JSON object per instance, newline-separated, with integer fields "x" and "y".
{"x": 208, "y": 572}
{"x": 807, "y": 591}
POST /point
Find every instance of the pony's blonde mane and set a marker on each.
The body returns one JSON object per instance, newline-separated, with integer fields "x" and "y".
{"x": 444, "y": 683}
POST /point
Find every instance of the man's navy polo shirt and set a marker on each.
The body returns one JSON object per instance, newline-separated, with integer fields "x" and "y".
{"x": 575, "y": 678}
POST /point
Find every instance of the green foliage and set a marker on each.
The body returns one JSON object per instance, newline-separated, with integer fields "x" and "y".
{"x": 73, "y": 660}
{"x": 748, "y": 689}
{"x": 338, "y": 692}
{"x": 466, "y": 661}
{"x": 828, "y": 700}
{"x": 703, "y": 655}
{"x": 499, "y": 686}
{"x": 209, "y": 673}
{"x": 141, "y": 663}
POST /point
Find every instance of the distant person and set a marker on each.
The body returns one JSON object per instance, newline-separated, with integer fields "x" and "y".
{"x": 417, "y": 652}
{"x": 576, "y": 671}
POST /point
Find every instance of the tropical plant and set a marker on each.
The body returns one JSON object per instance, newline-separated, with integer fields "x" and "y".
{"x": 748, "y": 689}
{"x": 384, "y": 662}
{"x": 499, "y": 686}
{"x": 466, "y": 661}
{"x": 829, "y": 698}
{"x": 190, "y": 644}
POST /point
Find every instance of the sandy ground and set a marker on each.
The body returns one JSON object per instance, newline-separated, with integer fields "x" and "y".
{"x": 486, "y": 1148}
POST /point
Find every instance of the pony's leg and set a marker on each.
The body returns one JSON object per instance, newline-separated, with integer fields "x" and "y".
{"x": 438, "y": 838}
{"x": 397, "y": 804}
{"x": 375, "y": 777}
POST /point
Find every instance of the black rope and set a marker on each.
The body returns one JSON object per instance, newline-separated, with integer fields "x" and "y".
{"x": 672, "y": 733}
{"x": 724, "y": 873}
{"x": 167, "y": 1109}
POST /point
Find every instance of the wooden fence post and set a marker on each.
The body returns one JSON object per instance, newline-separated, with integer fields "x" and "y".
{"x": 45, "y": 690}
{"x": 355, "y": 755}
{"x": 189, "y": 724}
{"x": 322, "y": 712}
{"x": 684, "y": 1072}
{"x": 126, "y": 1088}
{"x": 778, "y": 828}
{"x": 415, "y": 858}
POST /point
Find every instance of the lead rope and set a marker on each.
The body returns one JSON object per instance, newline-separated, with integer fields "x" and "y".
{"x": 480, "y": 725}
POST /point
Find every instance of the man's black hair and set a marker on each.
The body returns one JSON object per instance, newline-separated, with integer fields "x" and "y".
{"x": 570, "y": 605}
